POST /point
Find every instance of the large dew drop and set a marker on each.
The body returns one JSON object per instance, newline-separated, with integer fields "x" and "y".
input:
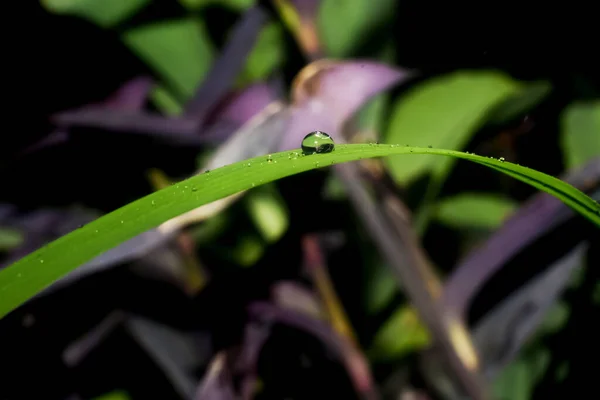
{"x": 317, "y": 142}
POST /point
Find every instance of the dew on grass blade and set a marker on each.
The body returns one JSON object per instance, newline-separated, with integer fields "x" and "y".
{"x": 317, "y": 142}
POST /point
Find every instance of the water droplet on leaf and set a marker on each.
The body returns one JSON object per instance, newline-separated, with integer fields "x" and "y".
{"x": 501, "y": 159}
{"x": 317, "y": 142}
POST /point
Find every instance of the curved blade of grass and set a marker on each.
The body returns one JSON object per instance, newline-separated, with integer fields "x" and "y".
{"x": 28, "y": 276}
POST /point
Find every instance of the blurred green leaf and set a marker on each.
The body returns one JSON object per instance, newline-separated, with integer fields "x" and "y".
{"x": 248, "y": 250}
{"x": 164, "y": 101}
{"x": 179, "y": 51}
{"x": 268, "y": 212}
{"x": 402, "y": 333}
{"x": 237, "y": 5}
{"x": 117, "y": 395}
{"x": 555, "y": 319}
{"x": 334, "y": 188}
{"x": 344, "y": 24}
{"x": 380, "y": 286}
{"x": 9, "y": 238}
{"x": 581, "y": 133}
{"x": 443, "y": 112}
{"x": 521, "y": 102}
{"x": 514, "y": 383}
{"x": 210, "y": 228}
{"x": 474, "y": 210}
{"x": 266, "y": 56}
{"x": 105, "y": 13}
{"x": 517, "y": 381}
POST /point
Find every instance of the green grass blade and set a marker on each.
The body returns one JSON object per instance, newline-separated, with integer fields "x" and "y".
{"x": 28, "y": 276}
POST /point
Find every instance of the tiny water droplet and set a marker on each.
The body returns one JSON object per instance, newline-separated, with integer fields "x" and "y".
{"x": 253, "y": 184}
{"x": 42, "y": 261}
{"x": 96, "y": 231}
{"x": 153, "y": 202}
{"x": 317, "y": 142}
{"x": 249, "y": 164}
{"x": 317, "y": 164}
{"x": 122, "y": 221}
{"x": 501, "y": 159}
{"x": 194, "y": 189}
{"x": 269, "y": 159}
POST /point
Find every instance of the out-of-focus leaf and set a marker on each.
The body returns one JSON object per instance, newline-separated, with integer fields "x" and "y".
{"x": 268, "y": 212}
{"x": 177, "y": 354}
{"x": 502, "y": 333}
{"x": 237, "y": 5}
{"x": 217, "y": 383}
{"x": 580, "y": 133}
{"x": 380, "y": 287}
{"x": 556, "y": 318}
{"x": 164, "y": 100}
{"x": 300, "y": 18}
{"x": 267, "y": 55}
{"x": 248, "y": 250}
{"x": 174, "y": 130}
{"x": 131, "y": 96}
{"x": 342, "y": 24}
{"x": 10, "y": 238}
{"x": 295, "y": 297}
{"x": 474, "y": 210}
{"x": 401, "y": 334}
{"x": 334, "y": 188}
{"x": 238, "y": 108}
{"x": 323, "y": 99}
{"x": 520, "y": 103}
{"x": 36, "y": 271}
{"x": 227, "y": 67}
{"x": 105, "y": 13}
{"x": 178, "y": 50}
{"x": 118, "y": 395}
{"x": 515, "y": 382}
{"x": 79, "y": 349}
{"x": 443, "y": 112}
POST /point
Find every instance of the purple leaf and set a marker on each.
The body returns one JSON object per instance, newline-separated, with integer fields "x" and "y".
{"x": 228, "y": 66}
{"x": 177, "y": 130}
{"x": 131, "y": 96}
{"x": 539, "y": 215}
{"x": 501, "y": 333}
{"x": 327, "y": 93}
{"x": 238, "y": 108}
{"x": 217, "y": 383}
